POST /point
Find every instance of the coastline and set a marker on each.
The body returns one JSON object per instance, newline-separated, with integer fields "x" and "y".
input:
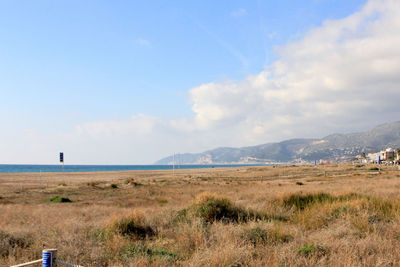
{"x": 57, "y": 168}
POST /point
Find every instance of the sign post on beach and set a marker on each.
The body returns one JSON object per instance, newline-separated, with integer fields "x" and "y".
{"x": 173, "y": 166}
{"x": 62, "y": 159}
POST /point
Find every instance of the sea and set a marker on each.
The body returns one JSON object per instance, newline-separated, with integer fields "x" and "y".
{"x": 19, "y": 168}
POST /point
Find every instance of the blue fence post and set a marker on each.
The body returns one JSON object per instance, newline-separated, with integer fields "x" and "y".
{"x": 49, "y": 256}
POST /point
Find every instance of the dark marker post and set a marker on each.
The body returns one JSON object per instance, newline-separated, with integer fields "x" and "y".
{"x": 62, "y": 159}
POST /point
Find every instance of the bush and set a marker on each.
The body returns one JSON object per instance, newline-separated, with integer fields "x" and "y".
{"x": 114, "y": 186}
{"x": 133, "y": 226}
{"x": 300, "y": 202}
{"x": 58, "y": 199}
{"x": 211, "y": 208}
{"x": 258, "y": 235}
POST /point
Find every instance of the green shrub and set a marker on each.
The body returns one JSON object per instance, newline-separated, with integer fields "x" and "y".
{"x": 58, "y": 199}
{"x": 221, "y": 209}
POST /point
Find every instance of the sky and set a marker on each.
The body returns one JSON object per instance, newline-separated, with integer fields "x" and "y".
{"x": 130, "y": 82}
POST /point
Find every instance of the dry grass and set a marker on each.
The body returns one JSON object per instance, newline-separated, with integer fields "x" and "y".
{"x": 257, "y": 216}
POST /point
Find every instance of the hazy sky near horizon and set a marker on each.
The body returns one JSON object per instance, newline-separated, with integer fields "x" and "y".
{"x": 129, "y": 82}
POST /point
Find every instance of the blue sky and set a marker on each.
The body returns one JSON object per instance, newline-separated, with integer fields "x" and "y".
{"x": 64, "y": 64}
{"x": 89, "y": 60}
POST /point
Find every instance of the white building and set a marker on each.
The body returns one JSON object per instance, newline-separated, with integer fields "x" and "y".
{"x": 373, "y": 157}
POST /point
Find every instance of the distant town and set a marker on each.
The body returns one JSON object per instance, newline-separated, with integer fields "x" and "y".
{"x": 389, "y": 156}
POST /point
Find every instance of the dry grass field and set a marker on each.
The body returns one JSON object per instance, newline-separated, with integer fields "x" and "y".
{"x": 330, "y": 215}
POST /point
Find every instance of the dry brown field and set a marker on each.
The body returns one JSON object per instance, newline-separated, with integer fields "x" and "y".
{"x": 329, "y": 215}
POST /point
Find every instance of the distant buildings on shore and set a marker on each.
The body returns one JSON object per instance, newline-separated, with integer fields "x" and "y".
{"x": 389, "y": 156}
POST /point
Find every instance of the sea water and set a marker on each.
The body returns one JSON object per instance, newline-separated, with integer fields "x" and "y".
{"x": 17, "y": 168}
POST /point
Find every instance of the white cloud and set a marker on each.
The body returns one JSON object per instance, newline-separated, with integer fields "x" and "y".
{"x": 143, "y": 42}
{"x": 241, "y": 12}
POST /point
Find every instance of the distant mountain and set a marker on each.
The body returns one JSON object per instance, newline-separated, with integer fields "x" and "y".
{"x": 335, "y": 147}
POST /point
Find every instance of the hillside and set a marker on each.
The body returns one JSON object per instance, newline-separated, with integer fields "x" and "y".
{"x": 331, "y": 147}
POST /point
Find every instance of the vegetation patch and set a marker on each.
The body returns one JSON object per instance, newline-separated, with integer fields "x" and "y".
{"x": 59, "y": 199}
{"x": 211, "y": 208}
{"x": 114, "y": 186}
{"x": 258, "y": 235}
{"x": 302, "y": 201}
{"x": 133, "y": 226}
{"x": 338, "y": 211}
{"x": 383, "y": 209}
{"x": 181, "y": 216}
{"x": 309, "y": 250}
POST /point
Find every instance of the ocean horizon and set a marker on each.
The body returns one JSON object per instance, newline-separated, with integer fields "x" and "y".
{"x": 35, "y": 168}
